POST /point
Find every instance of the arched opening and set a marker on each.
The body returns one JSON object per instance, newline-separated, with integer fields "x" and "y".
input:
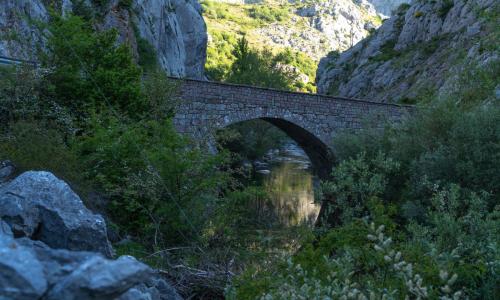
{"x": 283, "y": 159}
{"x": 321, "y": 157}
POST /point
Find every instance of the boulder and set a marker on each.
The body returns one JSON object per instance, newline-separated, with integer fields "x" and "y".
{"x": 32, "y": 270}
{"x": 21, "y": 274}
{"x": 39, "y": 206}
{"x": 154, "y": 289}
{"x": 38, "y": 213}
{"x": 99, "y": 278}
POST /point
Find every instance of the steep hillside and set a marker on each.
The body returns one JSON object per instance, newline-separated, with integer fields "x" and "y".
{"x": 312, "y": 28}
{"x": 426, "y": 48}
{"x": 172, "y": 29}
{"x": 386, "y": 7}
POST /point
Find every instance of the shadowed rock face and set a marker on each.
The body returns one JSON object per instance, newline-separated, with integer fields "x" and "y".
{"x": 386, "y": 7}
{"x": 40, "y": 206}
{"x": 39, "y": 213}
{"x": 177, "y": 31}
{"x": 174, "y": 28}
{"x": 422, "y": 47}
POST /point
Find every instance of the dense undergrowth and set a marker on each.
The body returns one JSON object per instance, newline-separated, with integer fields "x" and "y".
{"x": 429, "y": 186}
{"x": 96, "y": 119}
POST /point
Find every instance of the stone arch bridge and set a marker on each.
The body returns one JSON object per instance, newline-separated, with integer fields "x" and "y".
{"x": 309, "y": 119}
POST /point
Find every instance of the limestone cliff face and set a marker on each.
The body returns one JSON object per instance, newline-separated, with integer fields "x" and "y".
{"x": 18, "y": 38}
{"x": 386, "y": 7}
{"x": 420, "y": 49}
{"x": 175, "y": 29}
{"x": 320, "y": 26}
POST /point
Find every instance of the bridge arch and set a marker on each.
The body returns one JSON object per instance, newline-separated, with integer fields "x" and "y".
{"x": 309, "y": 119}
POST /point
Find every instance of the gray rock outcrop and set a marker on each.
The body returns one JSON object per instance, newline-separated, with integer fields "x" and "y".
{"x": 19, "y": 38}
{"x": 420, "y": 49}
{"x": 175, "y": 30}
{"x": 318, "y": 27}
{"x": 178, "y": 33}
{"x": 21, "y": 274}
{"x": 40, "y": 206}
{"x": 39, "y": 261}
{"x": 386, "y": 7}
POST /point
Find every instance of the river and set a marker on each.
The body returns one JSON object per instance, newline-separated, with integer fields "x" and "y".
{"x": 287, "y": 176}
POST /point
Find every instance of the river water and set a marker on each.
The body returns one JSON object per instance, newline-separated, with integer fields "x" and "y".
{"x": 286, "y": 173}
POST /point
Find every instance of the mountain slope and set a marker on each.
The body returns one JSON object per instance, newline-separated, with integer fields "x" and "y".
{"x": 426, "y": 48}
{"x": 312, "y": 28}
{"x": 172, "y": 30}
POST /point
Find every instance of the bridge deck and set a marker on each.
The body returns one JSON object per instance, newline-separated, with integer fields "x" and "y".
{"x": 302, "y": 94}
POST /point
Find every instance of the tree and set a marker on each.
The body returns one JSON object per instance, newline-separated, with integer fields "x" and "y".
{"x": 88, "y": 70}
{"x": 258, "y": 68}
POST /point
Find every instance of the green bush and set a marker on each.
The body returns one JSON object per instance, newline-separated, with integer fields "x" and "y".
{"x": 269, "y": 14}
{"x": 453, "y": 254}
{"x": 258, "y": 69}
{"x": 155, "y": 179}
{"x": 89, "y": 71}
{"x": 38, "y": 145}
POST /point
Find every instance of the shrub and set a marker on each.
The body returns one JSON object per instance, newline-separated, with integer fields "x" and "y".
{"x": 89, "y": 71}
{"x": 37, "y": 145}
{"x": 356, "y": 182}
{"x": 156, "y": 181}
{"x": 269, "y": 14}
{"x": 452, "y": 255}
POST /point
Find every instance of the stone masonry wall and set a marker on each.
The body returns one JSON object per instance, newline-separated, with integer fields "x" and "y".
{"x": 207, "y": 106}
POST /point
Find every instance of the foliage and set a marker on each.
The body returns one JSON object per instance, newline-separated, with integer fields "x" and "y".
{"x": 229, "y": 22}
{"x": 156, "y": 180}
{"x": 159, "y": 95}
{"x": 220, "y": 56}
{"x": 258, "y": 68}
{"x": 387, "y": 52}
{"x": 269, "y": 14}
{"x": 356, "y": 182}
{"x": 251, "y": 139}
{"x": 39, "y": 145}
{"x": 451, "y": 255}
{"x": 89, "y": 71}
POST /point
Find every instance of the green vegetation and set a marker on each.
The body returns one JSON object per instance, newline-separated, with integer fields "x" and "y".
{"x": 228, "y": 23}
{"x": 412, "y": 210}
{"x": 432, "y": 182}
{"x": 97, "y": 121}
{"x": 269, "y": 14}
{"x": 239, "y": 63}
{"x": 387, "y": 52}
{"x": 90, "y": 71}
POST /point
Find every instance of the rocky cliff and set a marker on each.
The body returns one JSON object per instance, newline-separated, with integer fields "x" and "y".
{"x": 53, "y": 247}
{"x": 417, "y": 52}
{"x": 174, "y": 28}
{"x": 386, "y": 7}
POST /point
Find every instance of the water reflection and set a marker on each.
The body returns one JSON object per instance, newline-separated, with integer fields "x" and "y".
{"x": 287, "y": 176}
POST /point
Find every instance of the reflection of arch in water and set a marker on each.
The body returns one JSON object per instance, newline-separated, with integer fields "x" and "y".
{"x": 318, "y": 152}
